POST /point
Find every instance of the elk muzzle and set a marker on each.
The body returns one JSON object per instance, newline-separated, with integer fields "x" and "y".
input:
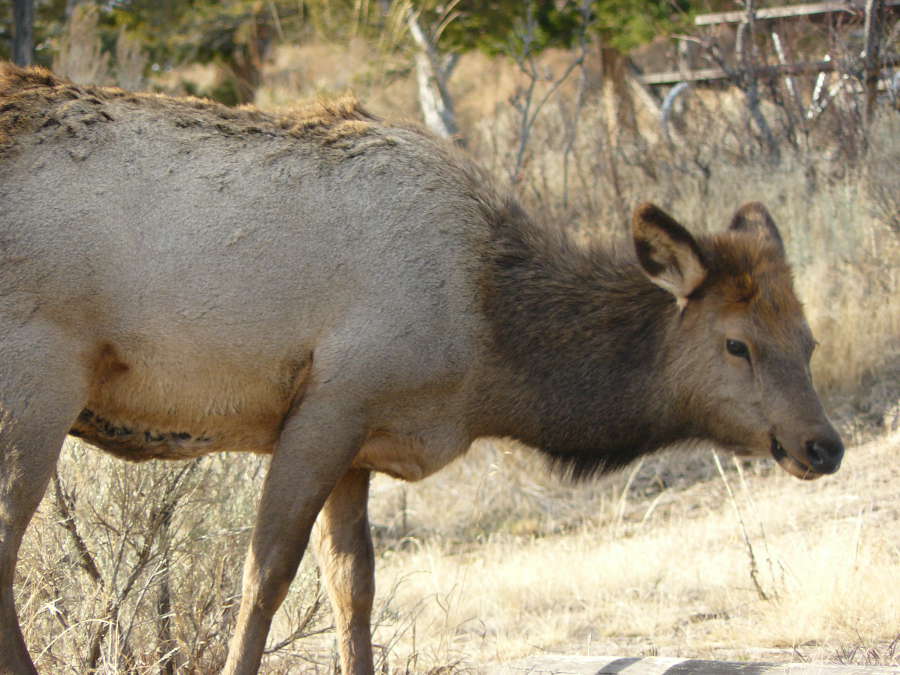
{"x": 818, "y": 456}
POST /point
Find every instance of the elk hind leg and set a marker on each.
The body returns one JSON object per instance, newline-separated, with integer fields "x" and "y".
{"x": 343, "y": 545}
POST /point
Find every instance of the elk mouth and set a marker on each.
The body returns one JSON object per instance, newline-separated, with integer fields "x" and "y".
{"x": 793, "y": 466}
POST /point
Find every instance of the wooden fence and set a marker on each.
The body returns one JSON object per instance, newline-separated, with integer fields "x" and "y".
{"x": 762, "y": 72}
{"x": 872, "y": 10}
{"x": 745, "y": 72}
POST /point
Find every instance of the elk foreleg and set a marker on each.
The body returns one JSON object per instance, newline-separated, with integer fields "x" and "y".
{"x": 26, "y": 465}
{"x": 343, "y": 545}
{"x": 41, "y": 393}
{"x": 314, "y": 451}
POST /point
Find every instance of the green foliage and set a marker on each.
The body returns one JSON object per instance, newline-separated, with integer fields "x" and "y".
{"x": 502, "y": 27}
{"x": 509, "y": 26}
{"x": 626, "y": 24}
{"x": 236, "y": 34}
{"x": 175, "y": 31}
{"x": 154, "y": 22}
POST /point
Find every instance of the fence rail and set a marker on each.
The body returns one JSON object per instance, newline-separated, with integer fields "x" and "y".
{"x": 711, "y": 74}
{"x": 855, "y": 6}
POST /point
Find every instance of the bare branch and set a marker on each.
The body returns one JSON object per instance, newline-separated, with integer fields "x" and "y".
{"x": 302, "y": 629}
{"x": 160, "y": 518}
{"x": 524, "y": 101}
{"x": 65, "y": 505}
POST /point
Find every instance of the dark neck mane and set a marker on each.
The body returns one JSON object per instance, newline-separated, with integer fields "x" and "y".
{"x": 578, "y": 336}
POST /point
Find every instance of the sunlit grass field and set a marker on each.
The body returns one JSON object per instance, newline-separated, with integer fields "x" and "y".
{"x": 780, "y": 571}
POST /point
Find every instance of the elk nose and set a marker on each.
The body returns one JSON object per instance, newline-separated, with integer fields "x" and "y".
{"x": 825, "y": 454}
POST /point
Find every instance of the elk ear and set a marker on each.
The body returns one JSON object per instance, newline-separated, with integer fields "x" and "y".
{"x": 667, "y": 252}
{"x": 753, "y": 217}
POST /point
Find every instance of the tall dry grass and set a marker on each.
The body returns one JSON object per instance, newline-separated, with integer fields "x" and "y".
{"x": 137, "y": 568}
{"x": 80, "y": 55}
{"x": 633, "y": 575}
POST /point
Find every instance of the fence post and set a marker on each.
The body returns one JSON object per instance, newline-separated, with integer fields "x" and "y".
{"x": 874, "y": 10}
{"x": 745, "y": 48}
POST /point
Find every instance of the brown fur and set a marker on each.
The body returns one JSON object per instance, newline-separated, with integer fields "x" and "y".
{"x": 35, "y": 99}
{"x": 596, "y": 347}
{"x": 350, "y": 296}
{"x": 753, "y": 276}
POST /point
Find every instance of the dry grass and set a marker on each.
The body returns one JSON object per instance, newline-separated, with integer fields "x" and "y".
{"x": 493, "y": 559}
{"x": 667, "y": 574}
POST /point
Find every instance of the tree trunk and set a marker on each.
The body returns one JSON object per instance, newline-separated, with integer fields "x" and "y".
{"x": 23, "y": 40}
{"x": 431, "y": 75}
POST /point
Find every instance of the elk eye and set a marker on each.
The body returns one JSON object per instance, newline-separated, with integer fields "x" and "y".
{"x": 737, "y": 348}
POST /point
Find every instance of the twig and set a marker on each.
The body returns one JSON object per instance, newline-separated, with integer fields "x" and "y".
{"x": 65, "y": 504}
{"x": 744, "y": 77}
{"x": 788, "y": 78}
{"x": 874, "y": 10}
{"x": 276, "y": 19}
{"x": 666, "y": 109}
{"x": 114, "y": 606}
{"x": 301, "y": 631}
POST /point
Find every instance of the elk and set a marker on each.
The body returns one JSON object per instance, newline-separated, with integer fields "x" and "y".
{"x": 349, "y": 296}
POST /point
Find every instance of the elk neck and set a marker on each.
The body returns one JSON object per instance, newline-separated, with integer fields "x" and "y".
{"x": 578, "y": 340}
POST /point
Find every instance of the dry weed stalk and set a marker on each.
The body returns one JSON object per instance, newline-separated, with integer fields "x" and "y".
{"x": 80, "y": 57}
{"x": 623, "y": 499}
{"x": 748, "y": 494}
{"x": 131, "y": 61}
{"x": 65, "y": 505}
{"x": 864, "y": 652}
{"x": 754, "y": 567}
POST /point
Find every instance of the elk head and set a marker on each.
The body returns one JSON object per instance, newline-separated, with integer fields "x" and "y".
{"x": 736, "y": 360}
